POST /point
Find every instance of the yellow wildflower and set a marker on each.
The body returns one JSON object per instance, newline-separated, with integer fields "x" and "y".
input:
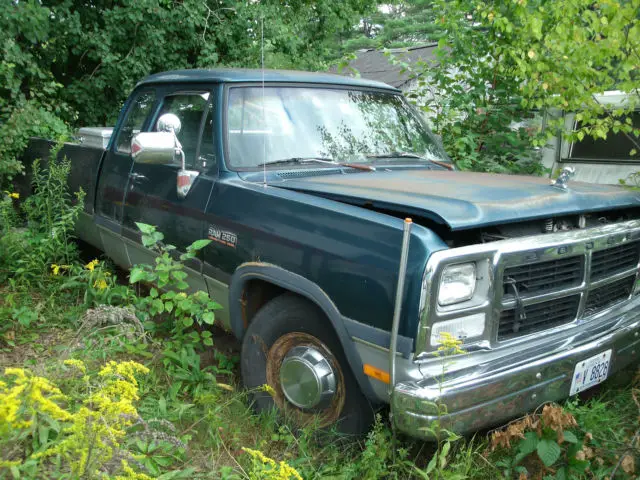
{"x": 450, "y": 344}
{"x": 267, "y": 388}
{"x": 27, "y": 396}
{"x": 130, "y": 474}
{"x": 92, "y": 264}
{"x": 100, "y": 284}
{"x": 270, "y": 469}
{"x": 79, "y": 364}
{"x": 12, "y": 195}
{"x": 100, "y": 425}
{"x": 56, "y": 268}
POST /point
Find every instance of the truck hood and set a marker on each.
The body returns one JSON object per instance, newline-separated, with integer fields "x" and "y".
{"x": 464, "y": 200}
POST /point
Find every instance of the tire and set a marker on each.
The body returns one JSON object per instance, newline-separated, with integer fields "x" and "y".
{"x": 290, "y": 321}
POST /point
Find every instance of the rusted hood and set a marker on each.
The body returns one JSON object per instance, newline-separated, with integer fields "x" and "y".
{"x": 464, "y": 200}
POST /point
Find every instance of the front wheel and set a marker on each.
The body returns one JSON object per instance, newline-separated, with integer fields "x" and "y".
{"x": 290, "y": 346}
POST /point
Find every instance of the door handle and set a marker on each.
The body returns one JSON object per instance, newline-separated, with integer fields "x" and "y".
{"x": 137, "y": 178}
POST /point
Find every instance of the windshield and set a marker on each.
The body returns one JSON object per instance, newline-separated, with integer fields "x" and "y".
{"x": 332, "y": 124}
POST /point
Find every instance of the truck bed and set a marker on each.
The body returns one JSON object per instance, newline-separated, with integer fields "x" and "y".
{"x": 85, "y": 159}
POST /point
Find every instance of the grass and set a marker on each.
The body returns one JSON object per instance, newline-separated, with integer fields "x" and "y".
{"x": 211, "y": 413}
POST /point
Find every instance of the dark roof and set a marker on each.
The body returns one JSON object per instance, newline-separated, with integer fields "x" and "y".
{"x": 233, "y": 75}
{"x": 376, "y": 65}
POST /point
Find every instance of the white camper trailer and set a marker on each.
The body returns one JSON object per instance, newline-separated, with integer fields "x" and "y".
{"x": 596, "y": 161}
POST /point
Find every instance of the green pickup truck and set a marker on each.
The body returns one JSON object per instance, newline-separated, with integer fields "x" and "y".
{"x": 303, "y": 182}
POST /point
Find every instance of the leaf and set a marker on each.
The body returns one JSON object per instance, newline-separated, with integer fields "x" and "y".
{"x": 157, "y": 306}
{"x": 153, "y": 293}
{"x": 145, "y": 228}
{"x": 168, "y": 306}
{"x": 432, "y": 464}
{"x": 208, "y": 342}
{"x": 528, "y": 444}
{"x": 570, "y": 437}
{"x": 208, "y": 318}
{"x": 179, "y": 274}
{"x": 187, "y": 321}
{"x": 199, "y": 244}
{"x": 137, "y": 275}
{"x": 548, "y": 451}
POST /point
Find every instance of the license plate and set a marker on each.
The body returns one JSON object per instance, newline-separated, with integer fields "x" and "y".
{"x": 590, "y": 372}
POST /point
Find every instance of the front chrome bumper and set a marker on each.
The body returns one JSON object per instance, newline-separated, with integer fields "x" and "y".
{"x": 496, "y": 393}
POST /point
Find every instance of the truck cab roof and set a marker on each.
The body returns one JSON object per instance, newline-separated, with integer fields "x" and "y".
{"x": 241, "y": 75}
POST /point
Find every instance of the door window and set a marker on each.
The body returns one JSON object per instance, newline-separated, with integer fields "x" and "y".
{"x": 207, "y": 158}
{"x": 190, "y": 109}
{"x": 138, "y": 112}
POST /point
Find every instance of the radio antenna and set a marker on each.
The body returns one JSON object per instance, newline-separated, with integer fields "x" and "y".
{"x": 264, "y": 120}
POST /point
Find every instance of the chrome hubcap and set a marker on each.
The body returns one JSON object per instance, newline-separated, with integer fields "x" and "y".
{"x": 306, "y": 378}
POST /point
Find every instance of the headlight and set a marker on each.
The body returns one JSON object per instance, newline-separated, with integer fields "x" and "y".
{"x": 457, "y": 284}
{"x": 462, "y": 328}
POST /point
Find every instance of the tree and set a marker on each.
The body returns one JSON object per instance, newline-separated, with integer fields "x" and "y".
{"x": 397, "y": 24}
{"x": 77, "y": 60}
{"x": 501, "y": 61}
{"x": 82, "y": 58}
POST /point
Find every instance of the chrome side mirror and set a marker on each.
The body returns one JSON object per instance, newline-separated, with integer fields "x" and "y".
{"x": 164, "y": 148}
{"x": 155, "y": 148}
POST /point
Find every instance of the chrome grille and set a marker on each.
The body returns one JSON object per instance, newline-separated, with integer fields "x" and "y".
{"x": 524, "y": 309}
{"x": 543, "y": 276}
{"x": 605, "y": 263}
{"x": 608, "y": 295}
{"x": 538, "y": 316}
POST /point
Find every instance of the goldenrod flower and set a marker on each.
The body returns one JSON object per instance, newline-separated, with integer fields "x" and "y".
{"x": 79, "y": 364}
{"x": 92, "y": 264}
{"x": 267, "y": 388}
{"x": 270, "y": 469}
{"x": 56, "y": 268}
{"x": 450, "y": 344}
{"x": 14, "y": 195}
{"x": 100, "y": 284}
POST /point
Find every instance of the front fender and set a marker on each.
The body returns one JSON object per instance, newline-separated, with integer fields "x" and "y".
{"x": 302, "y": 286}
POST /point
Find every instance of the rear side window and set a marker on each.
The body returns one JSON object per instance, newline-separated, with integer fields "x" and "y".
{"x": 138, "y": 112}
{"x": 617, "y": 146}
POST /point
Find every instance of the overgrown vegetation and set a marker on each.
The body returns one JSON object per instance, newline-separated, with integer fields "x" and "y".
{"x": 501, "y": 66}
{"x": 99, "y": 380}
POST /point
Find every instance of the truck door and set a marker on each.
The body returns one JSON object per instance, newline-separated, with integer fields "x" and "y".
{"x": 152, "y": 196}
{"x": 114, "y": 173}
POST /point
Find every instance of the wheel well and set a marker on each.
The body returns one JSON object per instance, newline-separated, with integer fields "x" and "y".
{"x": 255, "y": 294}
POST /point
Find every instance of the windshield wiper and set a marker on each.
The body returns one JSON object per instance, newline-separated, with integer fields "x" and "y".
{"x": 303, "y": 160}
{"x": 448, "y": 166}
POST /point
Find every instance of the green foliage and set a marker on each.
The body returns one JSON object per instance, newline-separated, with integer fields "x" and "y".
{"x": 500, "y": 61}
{"x": 170, "y": 301}
{"x": 397, "y": 24}
{"x": 27, "y": 254}
{"x": 544, "y": 442}
{"x": 83, "y": 59}
{"x": 26, "y": 120}
{"x": 45, "y": 431}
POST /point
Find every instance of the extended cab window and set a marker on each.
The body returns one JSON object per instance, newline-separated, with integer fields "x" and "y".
{"x": 190, "y": 109}
{"x": 138, "y": 112}
{"x": 277, "y": 123}
{"x": 617, "y": 146}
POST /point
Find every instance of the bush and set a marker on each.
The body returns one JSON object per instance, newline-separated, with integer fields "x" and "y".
{"x": 25, "y": 122}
